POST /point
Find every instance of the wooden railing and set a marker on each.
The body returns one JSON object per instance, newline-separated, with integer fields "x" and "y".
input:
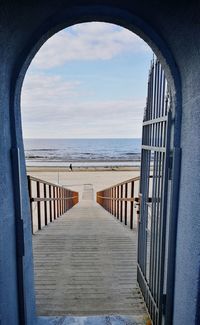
{"x": 48, "y": 201}
{"x": 119, "y": 200}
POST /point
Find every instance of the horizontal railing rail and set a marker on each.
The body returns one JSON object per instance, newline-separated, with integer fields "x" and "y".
{"x": 48, "y": 201}
{"x": 119, "y": 200}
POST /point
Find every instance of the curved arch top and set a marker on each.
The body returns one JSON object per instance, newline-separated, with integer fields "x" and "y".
{"x": 101, "y": 13}
{"x": 72, "y": 15}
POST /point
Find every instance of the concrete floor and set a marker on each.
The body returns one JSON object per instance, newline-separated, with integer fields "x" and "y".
{"x": 85, "y": 264}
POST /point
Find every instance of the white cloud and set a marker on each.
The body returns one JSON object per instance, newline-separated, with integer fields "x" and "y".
{"x": 52, "y": 107}
{"x": 88, "y": 41}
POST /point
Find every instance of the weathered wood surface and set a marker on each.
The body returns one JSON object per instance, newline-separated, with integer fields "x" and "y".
{"x": 85, "y": 264}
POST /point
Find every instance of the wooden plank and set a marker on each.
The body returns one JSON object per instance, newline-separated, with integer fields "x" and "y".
{"x": 85, "y": 264}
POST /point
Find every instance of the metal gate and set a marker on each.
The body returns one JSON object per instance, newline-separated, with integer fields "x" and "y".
{"x": 155, "y": 164}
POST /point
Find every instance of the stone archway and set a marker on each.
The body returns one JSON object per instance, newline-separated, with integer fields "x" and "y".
{"x": 29, "y": 46}
{"x": 57, "y": 22}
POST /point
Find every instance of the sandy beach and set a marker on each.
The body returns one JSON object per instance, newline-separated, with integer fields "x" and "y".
{"x": 99, "y": 178}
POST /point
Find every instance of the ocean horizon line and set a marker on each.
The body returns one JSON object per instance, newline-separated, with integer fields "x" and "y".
{"x": 25, "y": 138}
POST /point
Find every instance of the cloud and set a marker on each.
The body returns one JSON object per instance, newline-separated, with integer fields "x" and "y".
{"x": 88, "y": 41}
{"x": 54, "y": 107}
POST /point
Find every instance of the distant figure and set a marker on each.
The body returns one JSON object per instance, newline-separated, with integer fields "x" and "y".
{"x": 70, "y": 166}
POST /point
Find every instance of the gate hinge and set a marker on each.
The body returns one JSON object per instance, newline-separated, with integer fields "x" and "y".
{"x": 20, "y": 237}
{"x": 170, "y": 167}
{"x": 164, "y": 304}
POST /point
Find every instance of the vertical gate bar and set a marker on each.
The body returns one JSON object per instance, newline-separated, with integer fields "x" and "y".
{"x": 155, "y": 91}
{"x": 45, "y": 205}
{"x": 147, "y": 181}
{"x": 156, "y": 215}
{"x": 153, "y": 206}
{"x": 161, "y": 92}
{"x": 164, "y": 95}
{"x": 151, "y": 92}
{"x": 153, "y": 221}
{"x": 158, "y": 218}
{"x": 139, "y": 255}
{"x": 164, "y": 212}
{"x": 157, "y": 227}
{"x": 144, "y": 212}
{"x": 38, "y": 206}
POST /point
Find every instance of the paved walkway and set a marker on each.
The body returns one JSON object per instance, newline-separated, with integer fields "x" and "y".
{"x": 85, "y": 264}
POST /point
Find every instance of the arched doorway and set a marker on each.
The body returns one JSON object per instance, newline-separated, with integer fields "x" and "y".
{"x": 80, "y": 15}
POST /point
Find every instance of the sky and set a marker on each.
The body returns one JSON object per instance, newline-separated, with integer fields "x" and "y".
{"x": 87, "y": 81}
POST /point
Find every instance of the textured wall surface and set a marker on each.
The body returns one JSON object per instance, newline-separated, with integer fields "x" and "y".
{"x": 173, "y": 32}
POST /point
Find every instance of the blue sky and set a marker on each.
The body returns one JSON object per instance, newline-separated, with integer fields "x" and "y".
{"x": 87, "y": 81}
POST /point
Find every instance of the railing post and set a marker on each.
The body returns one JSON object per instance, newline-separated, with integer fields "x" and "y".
{"x": 50, "y": 206}
{"x": 30, "y": 200}
{"x": 45, "y": 205}
{"x": 121, "y": 204}
{"x": 63, "y": 201}
{"x": 54, "y": 202}
{"x": 132, "y": 202}
{"x": 112, "y": 190}
{"x": 110, "y": 200}
{"x": 125, "y": 204}
{"x": 38, "y": 206}
{"x": 117, "y": 202}
{"x": 57, "y": 203}
{"x": 64, "y": 195}
{"x": 115, "y": 209}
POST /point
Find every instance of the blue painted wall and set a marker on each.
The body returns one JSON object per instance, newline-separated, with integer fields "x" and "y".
{"x": 173, "y": 31}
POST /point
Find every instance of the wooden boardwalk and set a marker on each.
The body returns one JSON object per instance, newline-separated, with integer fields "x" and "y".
{"x": 85, "y": 264}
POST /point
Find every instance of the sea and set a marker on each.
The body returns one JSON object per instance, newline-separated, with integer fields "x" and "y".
{"x": 83, "y": 152}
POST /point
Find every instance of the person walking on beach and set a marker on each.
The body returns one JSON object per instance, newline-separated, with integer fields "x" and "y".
{"x": 70, "y": 166}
